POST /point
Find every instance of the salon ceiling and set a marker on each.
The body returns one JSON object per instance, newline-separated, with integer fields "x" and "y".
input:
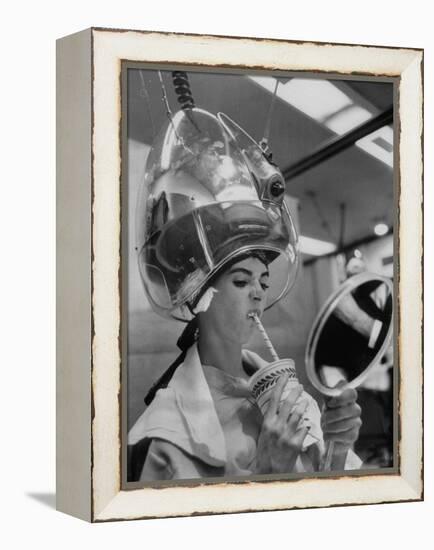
{"x": 353, "y": 177}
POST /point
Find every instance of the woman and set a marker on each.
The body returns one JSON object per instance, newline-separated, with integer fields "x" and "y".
{"x": 213, "y": 222}
{"x": 206, "y": 422}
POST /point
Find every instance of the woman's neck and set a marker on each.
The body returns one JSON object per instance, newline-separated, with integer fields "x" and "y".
{"x": 220, "y": 353}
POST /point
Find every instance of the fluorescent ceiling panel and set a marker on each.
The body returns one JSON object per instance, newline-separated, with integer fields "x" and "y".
{"x": 315, "y": 247}
{"x": 347, "y": 119}
{"x": 317, "y": 98}
{"x": 368, "y": 144}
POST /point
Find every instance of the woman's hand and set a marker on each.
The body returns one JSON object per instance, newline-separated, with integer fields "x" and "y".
{"x": 341, "y": 423}
{"x": 283, "y": 432}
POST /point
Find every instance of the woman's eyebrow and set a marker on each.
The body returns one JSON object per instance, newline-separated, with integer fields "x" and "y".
{"x": 247, "y": 271}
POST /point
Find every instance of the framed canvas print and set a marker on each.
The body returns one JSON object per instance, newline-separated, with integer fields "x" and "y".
{"x": 239, "y": 260}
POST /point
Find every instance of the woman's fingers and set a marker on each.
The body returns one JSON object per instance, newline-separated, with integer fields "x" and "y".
{"x": 341, "y": 419}
{"x": 347, "y": 397}
{"x": 299, "y": 436}
{"x": 276, "y": 395}
{"x": 283, "y": 433}
{"x": 297, "y": 414}
{"x": 331, "y": 416}
{"x": 286, "y": 407}
{"x": 343, "y": 426}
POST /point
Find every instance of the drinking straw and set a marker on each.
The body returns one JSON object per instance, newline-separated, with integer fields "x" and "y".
{"x": 265, "y": 337}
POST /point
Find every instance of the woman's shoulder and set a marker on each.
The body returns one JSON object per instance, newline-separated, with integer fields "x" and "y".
{"x": 161, "y": 412}
{"x": 183, "y": 414}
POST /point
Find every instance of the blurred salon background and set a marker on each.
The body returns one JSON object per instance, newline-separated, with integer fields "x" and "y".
{"x": 333, "y": 141}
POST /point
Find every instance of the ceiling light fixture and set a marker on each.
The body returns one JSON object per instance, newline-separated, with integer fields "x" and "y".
{"x": 315, "y": 247}
{"x": 347, "y": 119}
{"x": 371, "y": 146}
{"x": 381, "y": 229}
{"x": 318, "y": 99}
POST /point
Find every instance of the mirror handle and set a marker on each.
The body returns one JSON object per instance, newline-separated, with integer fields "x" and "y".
{"x": 328, "y": 456}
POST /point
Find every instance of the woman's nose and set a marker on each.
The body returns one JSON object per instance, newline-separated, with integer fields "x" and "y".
{"x": 257, "y": 292}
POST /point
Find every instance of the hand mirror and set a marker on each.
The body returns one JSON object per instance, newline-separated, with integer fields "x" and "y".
{"x": 351, "y": 333}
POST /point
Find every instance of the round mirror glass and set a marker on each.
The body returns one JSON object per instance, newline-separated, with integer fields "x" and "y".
{"x": 351, "y": 333}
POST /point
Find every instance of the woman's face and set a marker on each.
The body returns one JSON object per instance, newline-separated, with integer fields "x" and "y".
{"x": 242, "y": 291}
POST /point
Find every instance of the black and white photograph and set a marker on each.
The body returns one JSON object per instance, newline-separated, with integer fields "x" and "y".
{"x": 259, "y": 226}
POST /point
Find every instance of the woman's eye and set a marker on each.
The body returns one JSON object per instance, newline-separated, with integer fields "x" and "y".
{"x": 242, "y": 284}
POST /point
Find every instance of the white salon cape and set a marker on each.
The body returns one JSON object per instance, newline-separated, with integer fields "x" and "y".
{"x": 206, "y": 424}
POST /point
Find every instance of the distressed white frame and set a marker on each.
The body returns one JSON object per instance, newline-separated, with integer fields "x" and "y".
{"x": 107, "y": 500}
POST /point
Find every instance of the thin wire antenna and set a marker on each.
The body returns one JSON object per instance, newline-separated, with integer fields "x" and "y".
{"x": 324, "y": 222}
{"x": 144, "y": 94}
{"x": 165, "y": 101}
{"x": 270, "y": 113}
{"x": 264, "y": 141}
{"x": 342, "y": 219}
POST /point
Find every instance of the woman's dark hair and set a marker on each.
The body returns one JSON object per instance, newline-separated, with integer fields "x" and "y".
{"x": 264, "y": 256}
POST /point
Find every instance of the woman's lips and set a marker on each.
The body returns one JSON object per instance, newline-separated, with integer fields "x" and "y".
{"x": 253, "y": 313}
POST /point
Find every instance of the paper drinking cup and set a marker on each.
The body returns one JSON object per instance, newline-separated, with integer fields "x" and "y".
{"x": 263, "y": 382}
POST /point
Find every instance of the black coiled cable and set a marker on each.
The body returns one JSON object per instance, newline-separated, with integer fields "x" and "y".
{"x": 182, "y": 89}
